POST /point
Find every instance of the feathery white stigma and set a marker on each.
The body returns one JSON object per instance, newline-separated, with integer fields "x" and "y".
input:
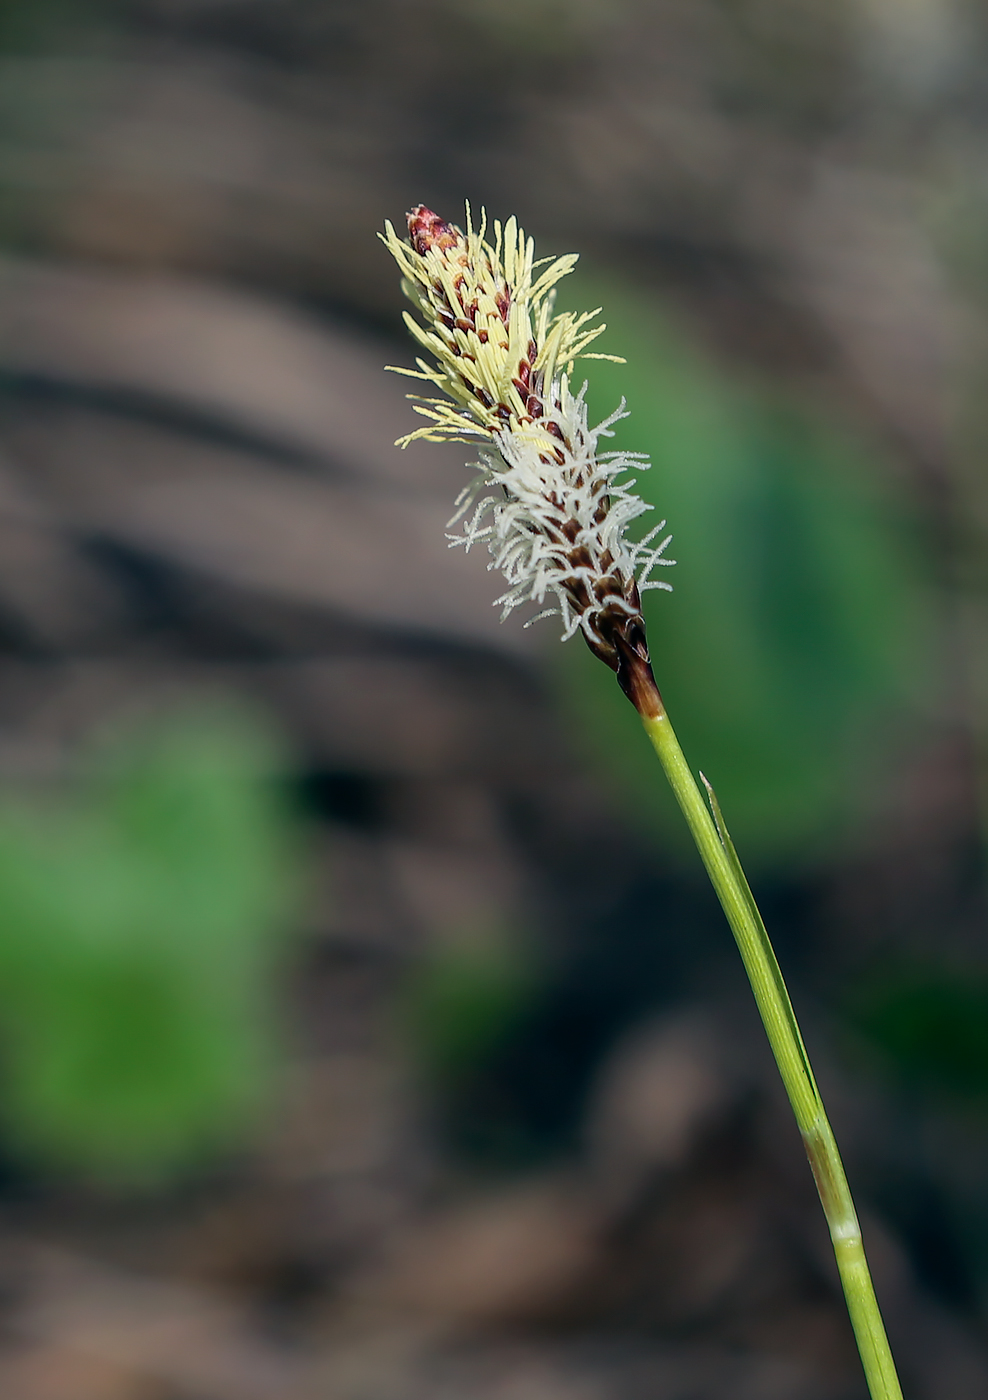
{"x": 557, "y": 521}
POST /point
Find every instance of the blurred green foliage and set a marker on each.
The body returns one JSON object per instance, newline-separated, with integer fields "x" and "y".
{"x": 928, "y": 1026}
{"x": 461, "y": 1003}
{"x": 142, "y": 922}
{"x": 795, "y": 637}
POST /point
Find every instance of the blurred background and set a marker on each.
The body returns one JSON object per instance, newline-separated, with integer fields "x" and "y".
{"x": 366, "y": 1029}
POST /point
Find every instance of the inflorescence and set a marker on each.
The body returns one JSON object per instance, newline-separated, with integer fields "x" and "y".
{"x": 547, "y": 503}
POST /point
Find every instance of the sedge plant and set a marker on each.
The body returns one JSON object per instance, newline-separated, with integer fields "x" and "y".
{"x": 554, "y": 511}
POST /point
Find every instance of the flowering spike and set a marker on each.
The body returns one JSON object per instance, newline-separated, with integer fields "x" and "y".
{"x": 550, "y": 507}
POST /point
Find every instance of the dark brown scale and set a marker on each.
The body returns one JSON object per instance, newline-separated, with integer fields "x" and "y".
{"x": 503, "y": 303}
{"x": 579, "y": 594}
{"x": 483, "y": 337}
{"x": 553, "y": 427}
{"x": 606, "y": 587}
{"x": 462, "y": 324}
{"x": 447, "y": 319}
{"x": 533, "y": 406}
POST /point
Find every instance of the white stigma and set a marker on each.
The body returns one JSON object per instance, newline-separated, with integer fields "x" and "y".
{"x": 556, "y": 522}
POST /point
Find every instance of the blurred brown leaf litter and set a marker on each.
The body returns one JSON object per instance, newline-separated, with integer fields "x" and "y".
{"x": 511, "y": 1130}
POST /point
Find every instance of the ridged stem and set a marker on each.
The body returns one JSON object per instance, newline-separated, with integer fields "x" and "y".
{"x": 779, "y": 1019}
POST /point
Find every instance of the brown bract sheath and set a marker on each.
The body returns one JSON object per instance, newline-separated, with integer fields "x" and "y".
{"x": 623, "y": 646}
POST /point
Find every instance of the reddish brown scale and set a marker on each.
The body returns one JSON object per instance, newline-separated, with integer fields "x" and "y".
{"x": 503, "y": 303}
{"x": 483, "y": 337}
{"x": 553, "y": 427}
{"x": 447, "y": 319}
{"x": 533, "y": 406}
{"x": 485, "y": 398}
{"x": 427, "y": 230}
{"x": 524, "y": 373}
{"x": 533, "y": 350}
{"x": 462, "y": 324}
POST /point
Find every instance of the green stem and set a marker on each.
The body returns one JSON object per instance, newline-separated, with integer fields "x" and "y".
{"x": 779, "y": 1019}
